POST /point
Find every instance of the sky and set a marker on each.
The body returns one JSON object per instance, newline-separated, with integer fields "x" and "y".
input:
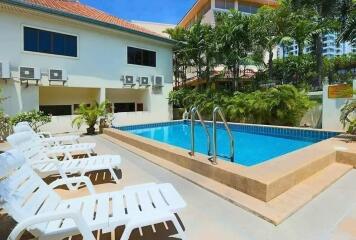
{"x": 163, "y": 11}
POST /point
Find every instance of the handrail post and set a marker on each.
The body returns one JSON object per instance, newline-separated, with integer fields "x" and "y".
{"x": 232, "y": 151}
{"x": 192, "y": 134}
{"x": 214, "y": 138}
{"x": 194, "y": 111}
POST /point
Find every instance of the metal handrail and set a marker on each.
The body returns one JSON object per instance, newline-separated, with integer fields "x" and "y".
{"x": 194, "y": 111}
{"x": 232, "y": 154}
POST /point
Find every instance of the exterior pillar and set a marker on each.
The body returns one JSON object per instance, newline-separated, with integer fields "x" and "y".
{"x": 102, "y": 95}
{"x": 212, "y": 4}
{"x": 236, "y": 5}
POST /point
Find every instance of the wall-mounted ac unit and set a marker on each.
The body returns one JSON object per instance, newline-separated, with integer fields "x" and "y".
{"x": 57, "y": 75}
{"x": 158, "y": 80}
{"x": 129, "y": 80}
{"x": 29, "y": 73}
{"x": 4, "y": 70}
{"x": 144, "y": 81}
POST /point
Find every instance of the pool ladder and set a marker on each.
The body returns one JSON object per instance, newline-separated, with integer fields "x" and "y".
{"x": 217, "y": 110}
{"x": 193, "y": 112}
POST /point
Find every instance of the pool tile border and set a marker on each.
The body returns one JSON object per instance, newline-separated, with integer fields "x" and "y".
{"x": 314, "y": 135}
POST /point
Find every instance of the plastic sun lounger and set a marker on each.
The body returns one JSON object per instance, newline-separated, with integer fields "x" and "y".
{"x": 40, "y": 210}
{"x": 47, "y": 137}
{"x": 46, "y": 166}
{"x": 66, "y": 150}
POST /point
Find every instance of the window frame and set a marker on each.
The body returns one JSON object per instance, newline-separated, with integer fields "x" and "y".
{"x": 70, "y": 106}
{"x": 50, "y": 30}
{"x": 141, "y": 48}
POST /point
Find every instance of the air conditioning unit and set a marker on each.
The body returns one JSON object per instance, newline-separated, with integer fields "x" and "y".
{"x": 158, "y": 80}
{"x": 4, "y": 70}
{"x": 57, "y": 75}
{"x": 29, "y": 73}
{"x": 144, "y": 81}
{"x": 129, "y": 80}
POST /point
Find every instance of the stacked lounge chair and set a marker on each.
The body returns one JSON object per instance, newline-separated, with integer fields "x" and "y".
{"x": 46, "y": 166}
{"x": 40, "y": 210}
{"x": 47, "y": 137}
{"x": 58, "y": 148}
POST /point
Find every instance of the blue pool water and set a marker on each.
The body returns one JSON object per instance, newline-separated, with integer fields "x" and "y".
{"x": 253, "y": 144}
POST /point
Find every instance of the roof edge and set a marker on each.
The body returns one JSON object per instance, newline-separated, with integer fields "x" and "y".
{"x": 20, "y": 3}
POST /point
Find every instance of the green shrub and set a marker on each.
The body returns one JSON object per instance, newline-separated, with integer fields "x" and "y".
{"x": 5, "y": 126}
{"x": 35, "y": 118}
{"x": 348, "y": 117}
{"x": 90, "y": 115}
{"x": 282, "y": 105}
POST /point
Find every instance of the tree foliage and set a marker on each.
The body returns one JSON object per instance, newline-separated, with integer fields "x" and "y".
{"x": 282, "y": 105}
{"x": 35, "y": 118}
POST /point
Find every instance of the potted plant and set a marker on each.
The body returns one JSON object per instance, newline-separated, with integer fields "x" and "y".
{"x": 90, "y": 115}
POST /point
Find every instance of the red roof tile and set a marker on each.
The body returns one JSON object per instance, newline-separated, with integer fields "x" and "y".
{"x": 77, "y": 8}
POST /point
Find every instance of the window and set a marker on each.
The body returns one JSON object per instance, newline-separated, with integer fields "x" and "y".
{"x": 124, "y": 107}
{"x": 246, "y": 8}
{"x": 57, "y": 110}
{"x": 225, "y": 4}
{"x": 36, "y": 40}
{"x": 142, "y": 57}
{"x": 139, "y": 107}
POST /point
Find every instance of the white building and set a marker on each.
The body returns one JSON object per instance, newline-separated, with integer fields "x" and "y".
{"x": 330, "y": 47}
{"x": 94, "y": 56}
{"x": 159, "y": 28}
{"x": 205, "y": 9}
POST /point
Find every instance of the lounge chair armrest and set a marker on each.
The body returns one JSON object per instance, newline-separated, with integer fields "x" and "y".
{"x": 77, "y": 180}
{"x": 51, "y": 216}
{"x": 55, "y": 161}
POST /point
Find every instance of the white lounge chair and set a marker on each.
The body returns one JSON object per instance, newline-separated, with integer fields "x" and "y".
{"x": 65, "y": 150}
{"x": 47, "y": 137}
{"x": 46, "y": 166}
{"x": 41, "y": 211}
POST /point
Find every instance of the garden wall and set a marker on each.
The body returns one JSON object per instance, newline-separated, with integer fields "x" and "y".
{"x": 331, "y": 110}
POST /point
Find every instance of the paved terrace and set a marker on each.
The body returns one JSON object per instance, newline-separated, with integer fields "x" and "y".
{"x": 331, "y": 215}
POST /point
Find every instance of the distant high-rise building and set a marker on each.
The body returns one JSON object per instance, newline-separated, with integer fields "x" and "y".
{"x": 330, "y": 47}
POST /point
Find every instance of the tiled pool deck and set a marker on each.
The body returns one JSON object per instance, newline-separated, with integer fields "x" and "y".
{"x": 266, "y": 186}
{"x": 330, "y": 215}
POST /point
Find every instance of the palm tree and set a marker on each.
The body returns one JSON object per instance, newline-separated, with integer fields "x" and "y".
{"x": 327, "y": 14}
{"x": 348, "y": 29}
{"x": 269, "y": 27}
{"x": 180, "y": 57}
{"x": 234, "y": 40}
{"x": 90, "y": 115}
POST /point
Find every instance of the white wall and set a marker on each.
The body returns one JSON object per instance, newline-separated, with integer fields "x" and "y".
{"x": 331, "y": 110}
{"x": 18, "y": 98}
{"x": 101, "y": 61}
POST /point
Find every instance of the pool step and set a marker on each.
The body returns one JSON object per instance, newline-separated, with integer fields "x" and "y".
{"x": 299, "y": 195}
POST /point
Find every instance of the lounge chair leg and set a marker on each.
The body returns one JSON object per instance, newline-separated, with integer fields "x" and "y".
{"x": 179, "y": 228}
{"x": 113, "y": 175}
{"x": 127, "y": 232}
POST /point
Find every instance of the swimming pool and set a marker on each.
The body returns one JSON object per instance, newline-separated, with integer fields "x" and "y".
{"x": 254, "y": 144}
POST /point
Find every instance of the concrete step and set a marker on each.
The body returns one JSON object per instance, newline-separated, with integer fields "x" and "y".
{"x": 296, "y": 197}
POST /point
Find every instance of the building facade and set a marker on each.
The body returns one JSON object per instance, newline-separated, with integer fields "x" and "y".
{"x": 330, "y": 47}
{"x": 159, "y": 28}
{"x": 60, "y": 54}
{"x": 205, "y": 9}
